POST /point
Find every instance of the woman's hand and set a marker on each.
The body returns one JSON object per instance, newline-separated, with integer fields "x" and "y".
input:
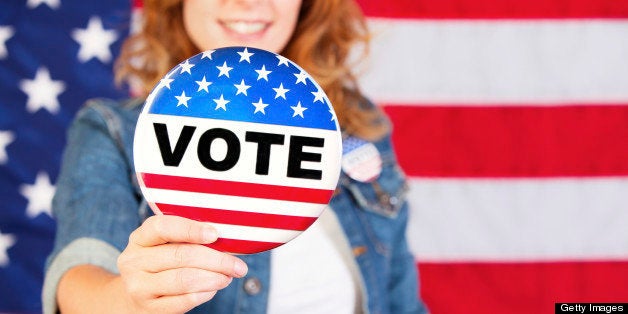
{"x": 165, "y": 268}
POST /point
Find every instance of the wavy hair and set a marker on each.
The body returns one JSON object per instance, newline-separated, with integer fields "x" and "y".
{"x": 324, "y": 44}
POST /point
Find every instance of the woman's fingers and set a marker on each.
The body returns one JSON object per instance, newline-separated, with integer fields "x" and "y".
{"x": 181, "y": 281}
{"x": 179, "y": 303}
{"x": 178, "y": 255}
{"x": 161, "y": 229}
{"x": 152, "y": 298}
{"x": 166, "y": 242}
{"x": 166, "y": 267}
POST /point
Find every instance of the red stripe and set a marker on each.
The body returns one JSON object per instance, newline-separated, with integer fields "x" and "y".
{"x": 241, "y": 218}
{"x": 233, "y": 188}
{"x": 520, "y": 287}
{"x": 490, "y": 9}
{"x": 242, "y": 246}
{"x": 566, "y": 141}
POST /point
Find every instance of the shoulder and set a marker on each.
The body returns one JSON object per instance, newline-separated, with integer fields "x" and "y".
{"x": 367, "y": 120}
{"x": 367, "y": 103}
{"x": 105, "y": 109}
{"x": 383, "y": 139}
{"x": 103, "y": 121}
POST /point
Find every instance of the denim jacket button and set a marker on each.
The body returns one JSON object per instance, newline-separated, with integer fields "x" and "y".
{"x": 393, "y": 200}
{"x": 252, "y": 286}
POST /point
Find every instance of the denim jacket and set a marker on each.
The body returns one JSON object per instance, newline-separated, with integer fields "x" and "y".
{"x": 98, "y": 204}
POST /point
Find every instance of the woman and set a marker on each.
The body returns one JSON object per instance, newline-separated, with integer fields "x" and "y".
{"x": 109, "y": 257}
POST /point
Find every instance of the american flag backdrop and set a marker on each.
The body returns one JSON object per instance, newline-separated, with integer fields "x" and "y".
{"x": 54, "y": 54}
{"x": 511, "y": 121}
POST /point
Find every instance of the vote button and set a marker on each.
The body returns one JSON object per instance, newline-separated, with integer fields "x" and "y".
{"x": 241, "y": 138}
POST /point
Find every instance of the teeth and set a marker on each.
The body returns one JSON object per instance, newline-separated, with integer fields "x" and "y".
{"x": 245, "y": 27}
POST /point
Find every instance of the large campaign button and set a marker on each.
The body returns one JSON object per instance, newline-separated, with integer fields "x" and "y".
{"x": 244, "y": 139}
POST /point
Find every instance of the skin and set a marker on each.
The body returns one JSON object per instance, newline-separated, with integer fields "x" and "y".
{"x": 165, "y": 268}
{"x": 261, "y": 24}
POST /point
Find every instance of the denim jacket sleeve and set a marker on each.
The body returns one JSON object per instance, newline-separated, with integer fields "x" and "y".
{"x": 404, "y": 283}
{"x": 390, "y": 201}
{"x": 96, "y": 204}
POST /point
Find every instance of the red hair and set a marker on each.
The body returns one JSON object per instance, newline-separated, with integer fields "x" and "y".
{"x": 325, "y": 37}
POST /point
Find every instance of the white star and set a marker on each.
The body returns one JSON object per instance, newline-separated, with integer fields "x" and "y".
{"x": 298, "y": 110}
{"x": 42, "y": 91}
{"x": 224, "y": 69}
{"x": 53, "y": 4}
{"x": 221, "y": 103}
{"x": 6, "y": 32}
{"x": 94, "y": 41}
{"x": 282, "y": 60}
{"x": 39, "y": 195}
{"x": 281, "y": 92}
{"x": 6, "y": 241}
{"x": 262, "y": 73}
{"x": 301, "y": 78}
{"x": 333, "y": 115}
{"x": 165, "y": 81}
{"x": 245, "y": 55}
{"x": 202, "y": 85}
{"x": 318, "y": 96}
{"x": 207, "y": 54}
{"x": 183, "y": 100}
{"x": 260, "y": 106}
{"x": 6, "y": 138}
{"x": 186, "y": 66}
{"x": 242, "y": 88}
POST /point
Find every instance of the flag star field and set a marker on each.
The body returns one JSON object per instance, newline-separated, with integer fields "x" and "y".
{"x": 262, "y": 90}
{"x": 54, "y": 55}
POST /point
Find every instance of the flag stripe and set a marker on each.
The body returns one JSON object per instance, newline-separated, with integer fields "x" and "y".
{"x": 365, "y": 171}
{"x": 238, "y": 217}
{"x": 518, "y": 219}
{"x": 498, "y": 62}
{"x": 520, "y": 288}
{"x": 237, "y": 203}
{"x": 561, "y": 141}
{"x": 229, "y": 231}
{"x": 242, "y": 246}
{"x": 489, "y": 9}
{"x": 233, "y": 188}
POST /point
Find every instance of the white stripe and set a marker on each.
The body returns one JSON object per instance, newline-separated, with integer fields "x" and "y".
{"x": 147, "y": 157}
{"x": 498, "y": 62}
{"x": 255, "y": 233}
{"x": 492, "y": 219}
{"x": 258, "y": 205}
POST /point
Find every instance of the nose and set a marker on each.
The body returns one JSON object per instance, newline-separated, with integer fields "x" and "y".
{"x": 248, "y": 4}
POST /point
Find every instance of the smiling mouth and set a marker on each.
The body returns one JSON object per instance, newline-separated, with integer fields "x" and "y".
{"x": 245, "y": 27}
